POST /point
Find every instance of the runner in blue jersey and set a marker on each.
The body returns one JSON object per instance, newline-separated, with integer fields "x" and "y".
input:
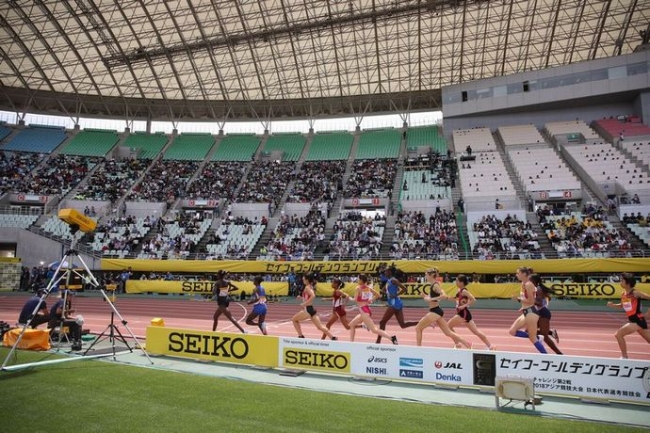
{"x": 394, "y": 288}
{"x": 258, "y": 299}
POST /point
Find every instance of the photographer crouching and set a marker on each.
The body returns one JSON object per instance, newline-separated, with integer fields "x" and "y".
{"x": 60, "y": 315}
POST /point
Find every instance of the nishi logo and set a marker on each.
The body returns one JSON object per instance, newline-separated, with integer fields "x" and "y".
{"x": 377, "y": 360}
{"x": 448, "y": 365}
{"x": 411, "y": 374}
{"x": 411, "y": 362}
{"x": 377, "y": 371}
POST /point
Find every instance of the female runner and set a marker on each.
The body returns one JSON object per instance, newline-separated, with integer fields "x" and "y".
{"x": 542, "y": 297}
{"x": 364, "y": 296}
{"x": 309, "y": 312}
{"x": 259, "y": 308}
{"x": 435, "y": 314}
{"x": 464, "y": 299}
{"x": 223, "y": 289}
{"x": 395, "y": 306}
{"x": 339, "y": 298}
{"x": 631, "y": 304}
{"x": 529, "y": 315}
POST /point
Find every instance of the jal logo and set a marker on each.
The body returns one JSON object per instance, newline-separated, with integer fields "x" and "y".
{"x": 448, "y": 365}
{"x": 411, "y": 362}
{"x": 377, "y": 360}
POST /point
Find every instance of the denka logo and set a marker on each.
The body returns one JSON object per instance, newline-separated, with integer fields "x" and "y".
{"x": 317, "y": 360}
{"x": 450, "y": 365}
{"x": 376, "y": 371}
{"x": 377, "y": 360}
{"x": 211, "y": 345}
{"x": 411, "y": 374}
{"x": 411, "y": 362}
{"x": 448, "y": 377}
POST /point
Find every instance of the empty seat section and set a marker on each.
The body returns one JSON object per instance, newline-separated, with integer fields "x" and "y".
{"x": 539, "y": 168}
{"x": 4, "y": 131}
{"x": 330, "y": 147}
{"x": 291, "y": 145}
{"x": 190, "y": 147}
{"x": 427, "y": 136}
{"x": 628, "y": 126}
{"x": 91, "y": 142}
{"x": 640, "y": 150}
{"x": 36, "y": 139}
{"x": 520, "y": 134}
{"x": 380, "y": 144}
{"x": 604, "y": 163}
{"x": 433, "y": 187}
{"x": 480, "y": 140}
{"x": 237, "y": 148}
{"x": 485, "y": 177}
{"x": 20, "y": 221}
{"x": 149, "y": 145}
{"x": 572, "y": 127}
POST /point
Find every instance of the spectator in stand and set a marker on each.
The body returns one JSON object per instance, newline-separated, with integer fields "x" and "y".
{"x": 217, "y": 180}
{"x": 165, "y": 181}
{"x": 636, "y": 199}
{"x": 371, "y": 178}
{"x": 15, "y": 168}
{"x": 296, "y": 238}
{"x": 357, "y": 237}
{"x": 58, "y": 175}
{"x": 112, "y": 180}
{"x": 266, "y": 183}
{"x": 417, "y": 236}
{"x": 504, "y": 239}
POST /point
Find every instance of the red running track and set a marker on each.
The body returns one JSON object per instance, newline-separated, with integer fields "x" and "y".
{"x": 581, "y": 333}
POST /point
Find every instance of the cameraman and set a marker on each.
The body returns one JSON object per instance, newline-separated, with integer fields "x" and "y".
{"x": 41, "y": 316}
{"x": 61, "y": 316}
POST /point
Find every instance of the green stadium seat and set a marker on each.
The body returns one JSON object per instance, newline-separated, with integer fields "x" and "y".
{"x": 190, "y": 147}
{"x": 237, "y": 148}
{"x": 91, "y": 142}
{"x": 150, "y": 145}
{"x": 379, "y": 144}
{"x": 291, "y": 145}
{"x": 427, "y": 136}
{"x": 330, "y": 147}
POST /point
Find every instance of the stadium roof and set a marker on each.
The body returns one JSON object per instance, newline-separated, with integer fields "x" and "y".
{"x": 225, "y": 59}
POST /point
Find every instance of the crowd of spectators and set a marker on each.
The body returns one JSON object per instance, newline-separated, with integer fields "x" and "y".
{"x": 238, "y": 234}
{"x": 418, "y": 237}
{"x": 165, "y": 181}
{"x": 371, "y": 178}
{"x": 112, "y": 180}
{"x": 575, "y": 234}
{"x": 505, "y": 239}
{"x": 296, "y": 238}
{"x": 176, "y": 234}
{"x": 266, "y": 182}
{"x": 318, "y": 181}
{"x": 217, "y": 180}
{"x": 356, "y": 237}
{"x": 58, "y": 175}
{"x": 15, "y": 168}
{"x": 636, "y": 219}
{"x": 123, "y": 233}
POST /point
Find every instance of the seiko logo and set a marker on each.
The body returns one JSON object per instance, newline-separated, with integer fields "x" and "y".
{"x": 376, "y": 360}
{"x": 197, "y": 286}
{"x": 448, "y": 377}
{"x": 212, "y": 345}
{"x": 450, "y": 365}
{"x": 317, "y": 359}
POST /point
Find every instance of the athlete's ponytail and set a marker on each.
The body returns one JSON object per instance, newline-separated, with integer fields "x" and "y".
{"x": 536, "y": 279}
